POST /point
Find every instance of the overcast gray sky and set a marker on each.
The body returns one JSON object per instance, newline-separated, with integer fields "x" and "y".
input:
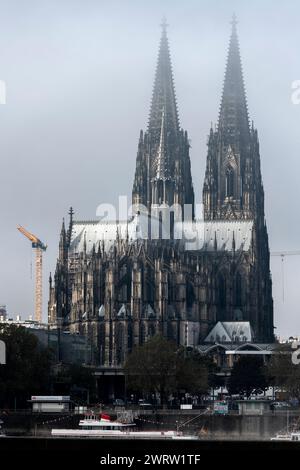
{"x": 79, "y": 77}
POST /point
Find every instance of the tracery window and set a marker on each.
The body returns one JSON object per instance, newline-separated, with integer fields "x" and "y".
{"x": 229, "y": 182}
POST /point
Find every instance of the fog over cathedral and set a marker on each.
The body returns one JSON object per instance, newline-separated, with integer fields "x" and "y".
{"x": 118, "y": 285}
{"x": 149, "y": 243}
{"x": 78, "y": 90}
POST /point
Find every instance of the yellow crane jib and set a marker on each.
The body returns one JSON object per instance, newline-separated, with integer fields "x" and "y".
{"x": 36, "y": 242}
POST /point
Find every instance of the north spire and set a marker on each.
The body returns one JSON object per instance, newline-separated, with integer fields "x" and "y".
{"x": 163, "y": 98}
{"x": 163, "y": 167}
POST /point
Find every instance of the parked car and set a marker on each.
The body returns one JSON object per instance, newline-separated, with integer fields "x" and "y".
{"x": 280, "y": 405}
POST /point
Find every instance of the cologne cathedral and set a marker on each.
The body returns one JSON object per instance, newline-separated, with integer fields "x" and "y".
{"x": 117, "y": 283}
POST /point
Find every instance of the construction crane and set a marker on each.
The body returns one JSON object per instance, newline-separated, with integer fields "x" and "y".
{"x": 39, "y": 247}
{"x": 285, "y": 253}
{"x": 282, "y": 255}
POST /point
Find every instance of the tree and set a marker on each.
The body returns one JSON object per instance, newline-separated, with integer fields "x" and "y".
{"x": 192, "y": 372}
{"x": 249, "y": 375}
{"x": 80, "y": 382}
{"x": 283, "y": 373}
{"x": 158, "y": 366}
{"x": 27, "y": 371}
{"x": 76, "y": 380}
{"x": 151, "y": 368}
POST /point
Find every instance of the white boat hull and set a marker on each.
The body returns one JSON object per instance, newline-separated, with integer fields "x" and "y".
{"x": 116, "y": 434}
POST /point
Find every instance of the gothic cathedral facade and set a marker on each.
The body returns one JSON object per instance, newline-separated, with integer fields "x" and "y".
{"x": 118, "y": 285}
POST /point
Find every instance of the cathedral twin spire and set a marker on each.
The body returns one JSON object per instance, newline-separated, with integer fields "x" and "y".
{"x": 163, "y": 97}
{"x": 232, "y": 186}
{"x": 163, "y": 173}
{"x": 233, "y": 116}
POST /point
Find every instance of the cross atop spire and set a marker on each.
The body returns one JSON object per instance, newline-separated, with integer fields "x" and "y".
{"x": 233, "y": 117}
{"x": 164, "y": 24}
{"x": 234, "y": 21}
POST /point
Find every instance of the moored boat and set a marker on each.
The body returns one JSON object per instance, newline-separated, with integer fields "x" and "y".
{"x": 292, "y": 436}
{"x": 104, "y": 427}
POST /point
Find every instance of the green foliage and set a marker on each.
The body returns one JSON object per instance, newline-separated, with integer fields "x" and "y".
{"x": 75, "y": 380}
{"x": 249, "y": 375}
{"x": 159, "y": 367}
{"x": 27, "y": 371}
{"x": 283, "y": 373}
{"x": 192, "y": 372}
{"x": 81, "y": 376}
{"x": 152, "y": 367}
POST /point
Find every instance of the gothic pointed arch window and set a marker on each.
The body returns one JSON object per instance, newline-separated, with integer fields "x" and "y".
{"x": 152, "y": 330}
{"x": 230, "y": 180}
{"x": 171, "y": 332}
{"x": 222, "y": 290}
{"x": 160, "y": 191}
{"x": 101, "y": 343}
{"x": 130, "y": 337}
{"x": 142, "y": 333}
{"x": 190, "y": 295}
{"x": 120, "y": 353}
{"x": 170, "y": 289}
{"x": 239, "y": 289}
{"x": 160, "y": 227}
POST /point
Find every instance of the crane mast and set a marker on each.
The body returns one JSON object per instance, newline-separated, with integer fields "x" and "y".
{"x": 38, "y": 308}
{"x": 39, "y": 247}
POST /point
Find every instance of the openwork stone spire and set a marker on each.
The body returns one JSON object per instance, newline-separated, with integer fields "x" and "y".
{"x": 233, "y": 117}
{"x": 163, "y": 98}
{"x": 163, "y": 151}
{"x": 233, "y": 185}
{"x": 162, "y": 161}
